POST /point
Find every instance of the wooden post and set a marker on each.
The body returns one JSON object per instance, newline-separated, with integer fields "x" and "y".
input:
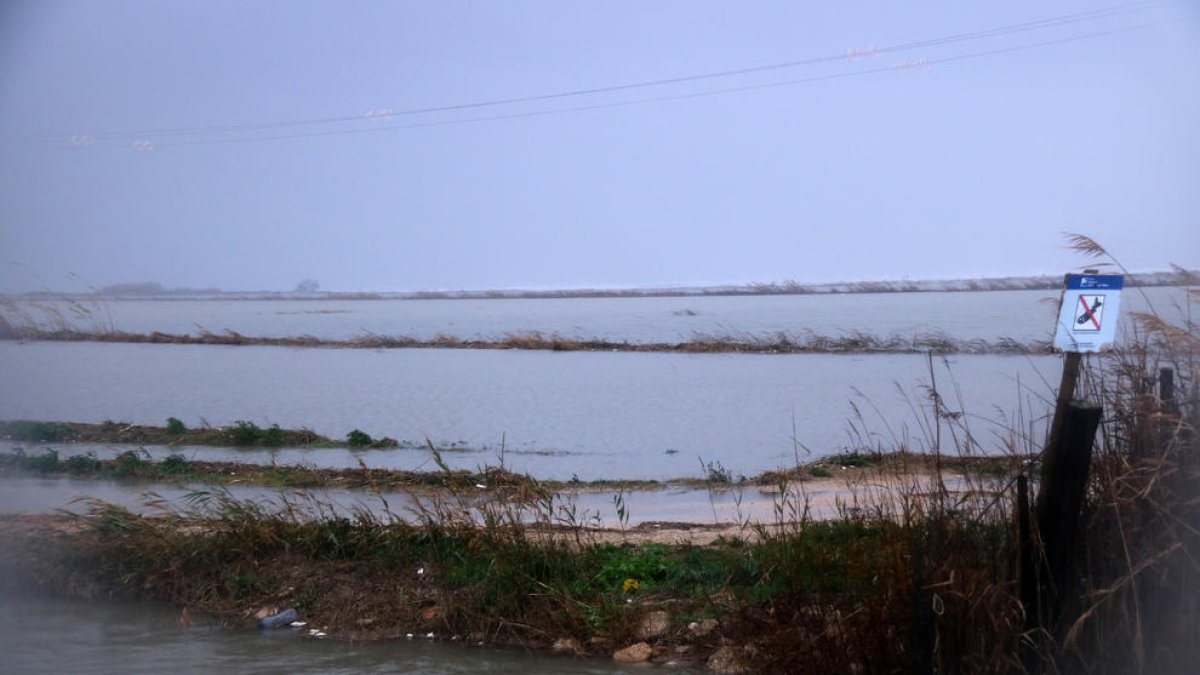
{"x": 1166, "y": 390}
{"x": 1064, "y": 483}
{"x": 1066, "y": 394}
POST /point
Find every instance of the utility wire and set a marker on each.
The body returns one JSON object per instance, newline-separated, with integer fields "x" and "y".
{"x": 677, "y": 97}
{"x": 1067, "y": 19}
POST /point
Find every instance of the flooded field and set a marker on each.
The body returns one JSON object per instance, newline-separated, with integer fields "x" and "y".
{"x": 1024, "y": 316}
{"x": 554, "y": 415}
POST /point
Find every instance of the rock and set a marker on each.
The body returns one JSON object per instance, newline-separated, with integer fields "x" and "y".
{"x": 726, "y": 660}
{"x": 654, "y": 624}
{"x": 567, "y": 646}
{"x": 702, "y": 628}
{"x": 635, "y": 653}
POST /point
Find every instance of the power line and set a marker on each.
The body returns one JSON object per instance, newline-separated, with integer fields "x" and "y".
{"x": 212, "y": 130}
{"x": 674, "y": 97}
{"x": 1065, "y": 19}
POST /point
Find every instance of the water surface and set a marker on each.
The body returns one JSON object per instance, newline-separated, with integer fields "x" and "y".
{"x": 556, "y": 415}
{"x": 991, "y": 315}
{"x": 40, "y": 634}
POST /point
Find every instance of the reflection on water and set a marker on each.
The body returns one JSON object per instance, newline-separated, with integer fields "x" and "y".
{"x": 50, "y": 635}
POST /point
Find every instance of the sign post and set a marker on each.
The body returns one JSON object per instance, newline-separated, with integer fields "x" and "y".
{"x": 1087, "y": 323}
{"x": 1087, "y": 316}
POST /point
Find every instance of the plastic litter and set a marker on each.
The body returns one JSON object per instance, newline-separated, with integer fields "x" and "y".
{"x": 283, "y": 618}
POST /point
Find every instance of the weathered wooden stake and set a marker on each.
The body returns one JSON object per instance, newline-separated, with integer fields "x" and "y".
{"x": 1066, "y": 394}
{"x": 1166, "y": 390}
{"x": 1065, "y": 468}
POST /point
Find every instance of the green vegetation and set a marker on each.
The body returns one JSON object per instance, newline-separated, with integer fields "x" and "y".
{"x": 174, "y": 465}
{"x": 245, "y": 433}
{"x": 358, "y": 439}
{"x": 242, "y": 433}
{"x": 37, "y": 432}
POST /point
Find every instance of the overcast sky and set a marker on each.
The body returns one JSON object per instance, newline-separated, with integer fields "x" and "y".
{"x": 248, "y": 145}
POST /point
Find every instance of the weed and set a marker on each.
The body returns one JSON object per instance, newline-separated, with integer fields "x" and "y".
{"x": 716, "y": 473}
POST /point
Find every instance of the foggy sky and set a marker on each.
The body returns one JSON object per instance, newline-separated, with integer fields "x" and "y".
{"x": 955, "y": 160}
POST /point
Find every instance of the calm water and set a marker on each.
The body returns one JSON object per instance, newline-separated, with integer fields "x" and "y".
{"x": 1021, "y": 315}
{"x": 49, "y": 635}
{"x": 591, "y": 415}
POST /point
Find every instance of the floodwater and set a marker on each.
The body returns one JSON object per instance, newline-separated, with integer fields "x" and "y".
{"x": 742, "y": 504}
{"x": 1021, "y": 315}
{"x": 555, "y": 415}
{"x": 41, "y": 634}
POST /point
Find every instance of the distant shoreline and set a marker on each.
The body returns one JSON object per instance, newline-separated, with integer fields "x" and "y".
{"x": 154, "y": 291}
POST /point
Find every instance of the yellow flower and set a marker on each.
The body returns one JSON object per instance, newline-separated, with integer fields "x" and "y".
{"x": 629, "y": 585}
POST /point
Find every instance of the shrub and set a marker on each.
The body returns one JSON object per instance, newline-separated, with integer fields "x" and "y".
{"x": 358, "y": 439}
{"x": 82, "y": 463}
{"x": 174, "y": 464}
{"x": 245, "y": 433}
{"x": 273, "y": 437}
{"x": 175, "y": 426}
{"x": 46, "y": 462}
{"x": 130, "y": 462}
{"x": 39, "y": 432}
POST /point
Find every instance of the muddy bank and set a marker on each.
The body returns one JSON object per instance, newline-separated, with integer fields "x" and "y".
{"x": 832, "y": 596}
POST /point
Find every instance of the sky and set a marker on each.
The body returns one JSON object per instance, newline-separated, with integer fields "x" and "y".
{"x": 249, "y": 145}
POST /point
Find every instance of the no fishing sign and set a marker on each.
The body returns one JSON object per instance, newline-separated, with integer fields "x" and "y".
{"x": 1087, "y": 317}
